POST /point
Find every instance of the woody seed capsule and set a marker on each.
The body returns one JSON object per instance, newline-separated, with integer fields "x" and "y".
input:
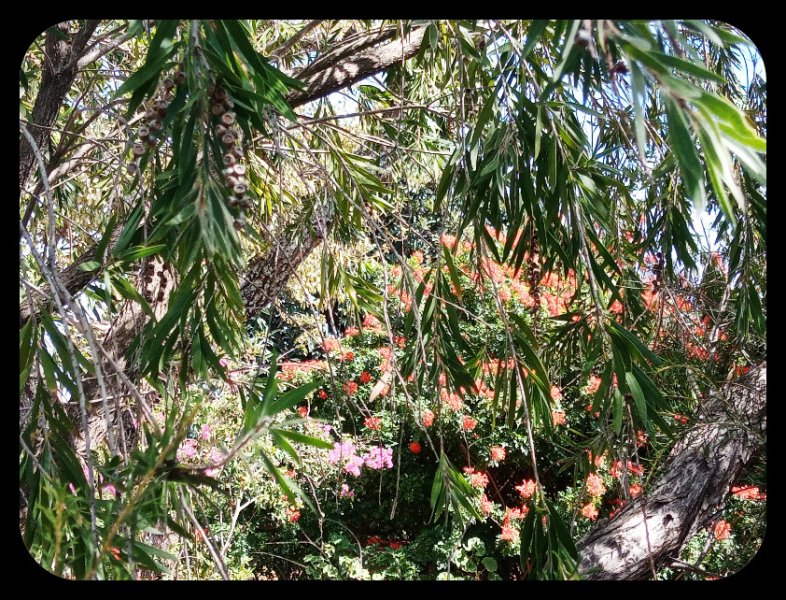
{"x": 218, "y": 109}
{"x": 228, "y": 118}
{"x": 144, "y": 132}
{"x": 228, "y": 139}
{"x": 239, "y": 170}
{"x": 229, "y": 160}
{"x": 138, "y": 149}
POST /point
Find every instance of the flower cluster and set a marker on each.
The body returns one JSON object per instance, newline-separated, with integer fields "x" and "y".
{"x": 346, "y": 453}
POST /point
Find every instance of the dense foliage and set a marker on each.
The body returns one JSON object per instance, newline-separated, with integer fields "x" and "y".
{"x": 407, "y": 300}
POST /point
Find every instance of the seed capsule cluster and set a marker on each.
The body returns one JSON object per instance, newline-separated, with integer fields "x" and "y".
{"x": 229, "y": 134}
{"x": 149, "y": 134}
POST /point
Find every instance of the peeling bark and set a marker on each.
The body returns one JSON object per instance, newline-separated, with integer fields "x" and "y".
{"x": 730, "y": 426}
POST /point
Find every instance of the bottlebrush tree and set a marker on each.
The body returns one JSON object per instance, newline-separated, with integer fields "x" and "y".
{"x": 412, "y": 299}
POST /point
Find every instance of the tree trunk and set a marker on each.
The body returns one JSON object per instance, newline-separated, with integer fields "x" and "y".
{"x": 62, "y": 53}
{"x": 650, "y": 531}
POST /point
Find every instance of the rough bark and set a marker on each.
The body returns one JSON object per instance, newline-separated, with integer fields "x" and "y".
{"x": 62, "y": 53}
{"x": 354, "y": 60}
{"x": 649, "y": 532}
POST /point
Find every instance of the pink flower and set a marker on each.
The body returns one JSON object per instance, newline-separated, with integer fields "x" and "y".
{"x": 635, "y": 489}
{"x": 350, "y": 387}
{"x": 353, "y": 465}
{"x": 556, "y": 393}
{"x": 110, "y": 489}
{"x": 303, "y": 411}
{"x": 351, "y": 332}
{"x": 204, "y": 433}
{"x": 428, "y": 418}
{"x": 187, "y": 449}
{"x": 379, "y": 458}
{"x": 486, "y": 505}
{"x": 558, "y": 418}
{"x": 345, "y": 491}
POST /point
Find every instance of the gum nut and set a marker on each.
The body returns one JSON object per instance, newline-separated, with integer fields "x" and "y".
{"x": 239, "y": 170}
{"x": 144, "y": 132}
{"x": 217, "y": 109}
{"x": 231, "y": 181}
{"x": 240, "y": 189}
{"x": 219, "y": 93}
{"x": 239, "y": 223}
{"x": 228, "y": 139}
{"x": 138, "y": 149}
{"x": 133, "y": 167}
{"x": 156, "y": 125}
{"x": 237, "y": 151}
{"x": 168, "y": 83}
{"x": 229, "y": 103}
{"x": 228, "y": 118}
{"x": 229, "y": 160}
{"x": 220, "y": 130}
{"x": 180, "y": 78}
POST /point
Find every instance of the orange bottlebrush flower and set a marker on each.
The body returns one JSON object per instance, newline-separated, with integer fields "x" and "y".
{"x": 497, "y": 453}
{"x": 594, "y": 384}
{"x": 350, "y": 387}
{"x": 722, "y": 530}
{"x": 556, "y": 393}
{"x": 635, "y": 489}
{"x": 468, "y": 423}
{"x": 365, "y": 377}
{"x": 595, "y": 486}
{"x": 374, "y": 423}
{"x": 590, "y": 511}
{"x": 415, "y": 447}
{"x": 527, "y": 488}
{"x": 428, "y": 418}
{"x": 558, "y": 418}
{"x": 330, "y": 344}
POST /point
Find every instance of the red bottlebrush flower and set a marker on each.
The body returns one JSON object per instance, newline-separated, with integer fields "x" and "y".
{"x": 322, "y": 394}
{"x": 740, "y": 371}
{"x": 350, "y": 387}
{"x": 374, "y": 423}
{"x": 748, "y": 493}
{"x": 400, "y": 341}
{"x": 348, "y": 356}
{"x": 722, "y": 530}
{"x": 641, "y": 439}
{"x": 476, "y": 478}
{"x": 594, "y": 384}
{"x": 635, "y": 489}
{"x": 616, "y": 307}
{"x": 590, "y": 511}
{"x": 395, "y": 545}
{"x": 351, "y": 332}
{"x": 415, "y": 447}
{"x": 558, "y": 418}
{"x": 681, "y": 419}
{"x": 498, "y": 453}
{"x": 527, "y": 488}
{"x": 365, "y": 377}
{"x": 428, "y": 418}
{"x": 293, "y": 515}
{"x": 114, "y": 551}
{"x": 303, "y": 410}
{"x": 468, "y": 423}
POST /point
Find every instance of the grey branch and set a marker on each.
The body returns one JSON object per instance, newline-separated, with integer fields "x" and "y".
{"x": 695, "y": 483}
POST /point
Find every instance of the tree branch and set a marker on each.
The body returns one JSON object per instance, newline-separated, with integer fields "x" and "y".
{"x": 695, "y": 483}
